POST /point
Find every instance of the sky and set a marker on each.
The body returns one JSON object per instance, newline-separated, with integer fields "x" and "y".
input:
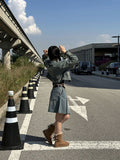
{"x": 71, "y": 23}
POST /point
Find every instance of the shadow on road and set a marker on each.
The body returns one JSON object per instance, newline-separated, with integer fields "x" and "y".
{"x": 94, "y": 82}
{"x": 91, "y": 81}
{"x": 34, "y": 138}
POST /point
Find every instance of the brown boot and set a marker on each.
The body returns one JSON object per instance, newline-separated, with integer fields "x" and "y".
{"x": 48, "y": 133}
{"x": 59, "y": 142}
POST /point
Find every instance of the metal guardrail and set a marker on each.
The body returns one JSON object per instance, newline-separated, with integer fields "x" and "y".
{"x": 13, "y": 20}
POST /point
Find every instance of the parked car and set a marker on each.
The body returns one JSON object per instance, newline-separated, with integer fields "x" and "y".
{"x": 118, "y": 71}
{"x": 73, "y": 70}
{"x": 113, "y": 67}
{"x": 84, "y": 67}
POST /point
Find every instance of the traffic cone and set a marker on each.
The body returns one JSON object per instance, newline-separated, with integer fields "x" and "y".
{"x": 11, "y": 137}
{"x": 30, "y": 90}
{"x": 24, "y": 103}
{"x": 34, "y": 84}
{"x": 37, "y": 82}
{"x": 38, "y": 79}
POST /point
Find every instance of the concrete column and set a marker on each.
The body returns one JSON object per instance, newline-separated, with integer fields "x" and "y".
{"x": 6, "y": 58}
{"x": 6, "y": 44}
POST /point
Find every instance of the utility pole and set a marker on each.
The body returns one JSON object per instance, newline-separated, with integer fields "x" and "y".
{"x": 118, "y": 56}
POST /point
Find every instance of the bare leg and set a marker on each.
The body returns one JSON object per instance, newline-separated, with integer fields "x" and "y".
{"x": 58, "y": 123}
{"x": 60, "y": 119}
{"x": 65, "y": 117}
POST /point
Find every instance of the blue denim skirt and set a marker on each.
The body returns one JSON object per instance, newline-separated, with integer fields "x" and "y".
{"x": 58, "y": 101}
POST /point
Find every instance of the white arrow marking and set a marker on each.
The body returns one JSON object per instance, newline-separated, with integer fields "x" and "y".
{"x": 82, "y": 100}
{"x": 81, "y": 110}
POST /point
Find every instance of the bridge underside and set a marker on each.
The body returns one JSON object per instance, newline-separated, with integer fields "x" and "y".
{"x": 12, "y": 37}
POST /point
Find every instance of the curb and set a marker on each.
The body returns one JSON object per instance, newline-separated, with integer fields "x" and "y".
{"x": 117, "y": 78}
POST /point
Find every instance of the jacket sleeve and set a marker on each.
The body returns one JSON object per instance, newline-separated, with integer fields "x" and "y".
{"x": 69, "y": 62}
{"x": 45, "y": 60}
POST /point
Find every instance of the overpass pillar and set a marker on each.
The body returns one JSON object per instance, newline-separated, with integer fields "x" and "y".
{"x": 6, "y": 45}
{"x": 6, "y": 58}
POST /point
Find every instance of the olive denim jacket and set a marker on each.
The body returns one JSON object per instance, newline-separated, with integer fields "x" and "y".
{"x": 58, "y": 70}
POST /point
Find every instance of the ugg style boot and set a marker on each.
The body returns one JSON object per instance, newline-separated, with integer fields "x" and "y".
{"x": 48, "y": 133}
{"x": 59, "y": 142}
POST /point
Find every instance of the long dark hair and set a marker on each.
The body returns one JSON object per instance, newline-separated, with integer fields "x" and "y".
{"x": 54, "y": 53}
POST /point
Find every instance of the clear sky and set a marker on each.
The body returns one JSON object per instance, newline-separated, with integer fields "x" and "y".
{"x": 71, "y": 23}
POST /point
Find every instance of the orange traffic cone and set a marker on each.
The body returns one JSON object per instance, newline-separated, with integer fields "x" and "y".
{"x": 11, "y": 137}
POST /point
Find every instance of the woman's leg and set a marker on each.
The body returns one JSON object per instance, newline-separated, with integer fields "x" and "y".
{"x": 65, "y": 117}
{"x": 58, "y": 123}
{"x": 60, "y": 119}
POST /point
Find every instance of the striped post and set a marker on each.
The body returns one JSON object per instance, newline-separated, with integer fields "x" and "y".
{"x": 34, "y": 84}
{"x": 24, "y": 103}
{"x": 30, "y": 90}
{"x": 11, "y": 137}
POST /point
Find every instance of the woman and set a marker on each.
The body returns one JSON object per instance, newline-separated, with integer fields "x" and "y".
{"x": 57, "y": 70}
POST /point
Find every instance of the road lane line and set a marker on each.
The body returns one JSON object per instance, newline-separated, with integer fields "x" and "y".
{"x": 25, "y": 125}
{"x": 15, "y": 154}
{"x": 98, "y": 145}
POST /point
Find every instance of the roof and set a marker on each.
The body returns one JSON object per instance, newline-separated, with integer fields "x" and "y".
{"x": 94, "y": 45}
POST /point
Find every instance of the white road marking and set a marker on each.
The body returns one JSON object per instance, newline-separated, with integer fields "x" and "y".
{"x": 25, "y": 125}
{"x": 81, "y": 110}
{"x": 15, "y": 154}
{"x": 41, "y": 145}
{"x": 35, "y": 94}
{"x": 82, "y": 100}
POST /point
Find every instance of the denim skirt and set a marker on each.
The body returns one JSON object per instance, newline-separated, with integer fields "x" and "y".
{"x": 58, "y": 101}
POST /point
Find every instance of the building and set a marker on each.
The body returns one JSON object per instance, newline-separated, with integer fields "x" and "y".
{"x": 96, "y": 53}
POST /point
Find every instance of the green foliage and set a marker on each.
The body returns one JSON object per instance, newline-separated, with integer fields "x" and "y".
{"x": 22, "y": 61}
{"x": 14, "y": 57}
{"x": 103, "y": 66}
{"x": 22, "y": 71}
{"x": 41, "y": 67}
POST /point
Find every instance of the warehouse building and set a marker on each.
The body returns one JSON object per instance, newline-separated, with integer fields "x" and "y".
{"x": 96, "y": 53}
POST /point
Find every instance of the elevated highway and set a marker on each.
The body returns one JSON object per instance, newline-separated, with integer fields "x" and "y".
{"x": 12, "y": 36}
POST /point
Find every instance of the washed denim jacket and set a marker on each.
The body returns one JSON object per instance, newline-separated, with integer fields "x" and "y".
{"x": 58, "y": 70}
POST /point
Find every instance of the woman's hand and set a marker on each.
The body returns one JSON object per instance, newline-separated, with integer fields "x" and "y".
{"x": 62, "y": 49}
{"x": 45, "y": 52}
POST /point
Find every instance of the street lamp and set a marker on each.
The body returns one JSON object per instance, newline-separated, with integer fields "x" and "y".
{"x": 118, "y": 56}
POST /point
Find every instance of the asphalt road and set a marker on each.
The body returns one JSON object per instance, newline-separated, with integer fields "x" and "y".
{"x": 93, "y": 129}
